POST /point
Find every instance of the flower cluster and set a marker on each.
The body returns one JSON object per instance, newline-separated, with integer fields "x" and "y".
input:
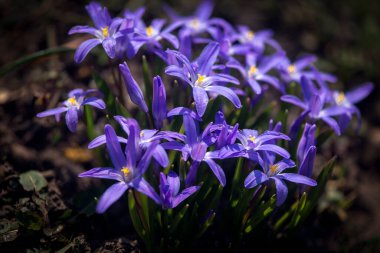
{"x": 234, "y": 63}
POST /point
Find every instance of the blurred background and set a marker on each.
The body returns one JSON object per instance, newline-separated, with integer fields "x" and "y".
{"x": 344, "y": 34}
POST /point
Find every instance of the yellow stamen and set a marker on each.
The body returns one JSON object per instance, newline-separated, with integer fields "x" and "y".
{"x": 252, "y": 70}
{"x": 149, "y": 31}
{"x": 141, "y": 134}
{"x": 200, "y": 79}
{"x": 250, "y": 35}
{"x": 105, "y": 32}
{"x": 340, "y": 98}
{"x": 291, "y": 69}
{"x": 252, "y": 138}
{"x": 273, "y": 168}
{"x": 126, "y": 171}
{"x": 72, "y": 101}
{"x": 194, "y": 23}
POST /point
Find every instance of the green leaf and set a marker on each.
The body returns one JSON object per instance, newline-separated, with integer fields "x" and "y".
{"x": 261, "y": 213}
{"x": 298, "y": 211}
{"x": 178, "y": 218}
{"x": 206, "y": 225}
{"x": 32, "y": 181}
{"x": 120, "y": 109}
{"x": 89, "y": 118}
{"x": 29, "y": 58}
{"x": 317, "y": 191}
{"x": 133, "y": 213}
{"x": 237, "y": 179}
{"x": 66, "y": 248}
{"x": 109, "y": 98}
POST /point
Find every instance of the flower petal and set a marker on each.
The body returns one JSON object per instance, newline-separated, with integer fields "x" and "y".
{"x": 144, "y": 187}
{"x": 114, "y": 149}
{"x": 84, "y": 49}
{"x": 52, "y": 112}
{"x": 133, "y": 88}
{"x": 217, "y": 170}
{"x": 83, "y": 29}
{"x": 191, "y": 129}
{"x": 207, "y": 58}
{"x": 200, "y": 99}
{"x": 72, "y": 119}
{"x": 359, "y": 93}
{"x": 192, "y": 174}
{"x": 186, "y": 63}
{"x": 184, "y": 195}
{"x": 307, "y": 164}
{"x": 110, "y": 196}
{"x": 305, "y": 61}
{"x": 173, "y": 145}
{"x": 294, "y": 101}
{"x": 95, "y": 102}
{"x": 227, "y": 93}
{"x": 101, "y": 139}
{"x": 254, "y": 178}
{"x": 130, "y": 150}
{"x": 102, "y": 172}
{"x": 98, "y": 14}
{"x": 284, "y": 164}
{"x": 281, "y": 191}
{"x": 182, "y": 111}
{"x": 254, "y": 85}
{"x": 275, "y": 149}
{"x": 204, "y": 10}
{"x": 145, "y": 159}
{"x": 174, "y": 183}
{"x": 161, "y": 156}
{"x": 158, "y": 102}
{"x": 222, "y": 78}
{"x": 333, "y": 124}
{"x": 198, "y": 151}
{"x": 296, "y": 178}
{"x": 176, "y": 71}
{"x": 109, "y": 46}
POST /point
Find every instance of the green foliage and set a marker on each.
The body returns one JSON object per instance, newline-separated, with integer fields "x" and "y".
{"x": 32, "y": 181}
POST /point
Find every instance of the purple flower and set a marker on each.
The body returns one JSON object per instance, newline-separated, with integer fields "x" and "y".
{"x": 182, "y": 111}
{"x": 313, "y": 106}
{"x": 128, "y": 170}
{"x": 195, "y": 146}
{"x": 158, "y": 102}
{"x": 306, "y": 150}
{"x": 151, "y": 36}
{"x": 106, "y": 31}
{"x": 348, "y": 100}
{"x": 228, "y": 49}
{"x": 197, "y": 24}
{"x": 294, "y": 71}
{"x": 169, "y": 190}
{"x": 135, "y": 16}
{"x": 143, "y": 139}
{"x": 223, "y": 133}
{"x": 201, "y": 79}
{"x": 275, "y": 173}
{"x": 255, "y": 40}
{"x": 256, "y": 70}
{"x": 251, "y": 143}
{"x": 133, "y": 88}
{"x": 73, "y": 107}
